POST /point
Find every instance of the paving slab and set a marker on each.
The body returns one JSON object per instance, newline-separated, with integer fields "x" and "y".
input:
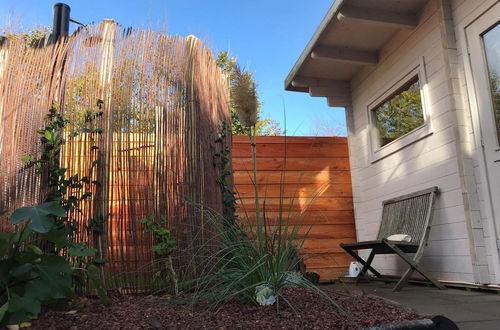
{"x": 479, "y": 325}
{"x": 468, "y": 309}
{"x": 480, "y": 298}
{"x": 456, "y": 313}
{"x": 484, "y": 307}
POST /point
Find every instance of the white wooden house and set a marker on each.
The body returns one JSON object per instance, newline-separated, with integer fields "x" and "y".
{"x": 364, "y": 56}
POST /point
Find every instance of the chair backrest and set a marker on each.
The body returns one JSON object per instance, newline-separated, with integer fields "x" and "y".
{"x": 409, "y": 214}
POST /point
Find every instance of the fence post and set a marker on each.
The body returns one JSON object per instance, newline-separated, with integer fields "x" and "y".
{"x": 105, "y": 148}
{"x": 4, "y": 52}
{"x": 3, "y": 67}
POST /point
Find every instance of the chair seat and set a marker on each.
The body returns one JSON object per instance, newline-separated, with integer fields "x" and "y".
{"x": 410, "y": 214}
{"x": 379, "y": 247}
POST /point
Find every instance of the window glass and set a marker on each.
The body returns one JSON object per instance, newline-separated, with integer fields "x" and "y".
{"x": 400, "y": 113}
{"x": 492, "y": 49}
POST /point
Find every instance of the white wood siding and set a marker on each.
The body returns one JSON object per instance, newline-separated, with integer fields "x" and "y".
{"x": 463, "y": 13}
{"x": 436, "y": 160}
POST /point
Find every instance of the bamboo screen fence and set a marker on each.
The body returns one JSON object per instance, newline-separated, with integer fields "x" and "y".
{"x": 163, "y": 100}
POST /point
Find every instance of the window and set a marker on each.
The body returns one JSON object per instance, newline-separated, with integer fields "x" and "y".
{"x": 398, "y": 114}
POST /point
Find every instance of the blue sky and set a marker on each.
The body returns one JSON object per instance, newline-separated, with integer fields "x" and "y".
{"x": 267, "y": 37}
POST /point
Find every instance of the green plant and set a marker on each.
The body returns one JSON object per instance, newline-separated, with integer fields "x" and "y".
{"x": 31, "y": 39}
{"x": 163, "y": 246}
{"x": 39, "y": 262}
{"x": 222, "y": 161}
{"x": 255, "y": 259}
{"x": 29, "y": 277}
{"x": 52, "y": 141}
{"x": 68, "y": 192}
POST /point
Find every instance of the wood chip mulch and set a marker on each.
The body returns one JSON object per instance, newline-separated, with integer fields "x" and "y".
{"x": 148, "y": 312}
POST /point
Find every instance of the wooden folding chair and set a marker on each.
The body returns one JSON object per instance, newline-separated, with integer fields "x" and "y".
{"x": 411, "y": 215}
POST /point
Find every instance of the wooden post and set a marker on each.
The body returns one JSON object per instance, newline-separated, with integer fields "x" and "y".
{"x": 3, "y": 67}
{"x": 3, "y": 77}
{"x": 101, "y": 206}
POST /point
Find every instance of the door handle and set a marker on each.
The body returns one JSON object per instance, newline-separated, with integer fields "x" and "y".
{"x": 496, "y": 161}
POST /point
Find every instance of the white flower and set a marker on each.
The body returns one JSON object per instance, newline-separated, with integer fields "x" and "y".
{"x": 265, "y": 295}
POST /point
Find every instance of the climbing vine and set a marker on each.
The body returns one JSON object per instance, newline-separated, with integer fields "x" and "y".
{"x": 164, "y": 245}
{"x": 40, "y": 262}
{"x": 222, "y": 161}
{"x": 51, "y": 137}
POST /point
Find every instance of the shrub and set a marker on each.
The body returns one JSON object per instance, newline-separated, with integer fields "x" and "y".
{"x": 39, "y": 262}
{"x": 163, "y": 247}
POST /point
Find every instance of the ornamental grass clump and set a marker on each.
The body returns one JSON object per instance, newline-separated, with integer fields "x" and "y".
{"x": 254, "y": 262}
{"x": 255, "y": 258}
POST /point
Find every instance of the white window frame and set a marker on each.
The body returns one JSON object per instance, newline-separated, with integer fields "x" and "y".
{"x": 378, "y": 153}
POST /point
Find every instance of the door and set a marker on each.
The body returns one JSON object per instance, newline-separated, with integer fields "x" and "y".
{"x": 483, "y": 38}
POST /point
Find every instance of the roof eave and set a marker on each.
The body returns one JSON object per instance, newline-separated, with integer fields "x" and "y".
{"x": 332, "y": 12}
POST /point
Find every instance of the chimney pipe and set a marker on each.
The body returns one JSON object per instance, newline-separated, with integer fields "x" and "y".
{"x": 60, "y": 26}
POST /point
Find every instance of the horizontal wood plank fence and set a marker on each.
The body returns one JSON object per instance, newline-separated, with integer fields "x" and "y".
{"x": 316, "y": 181}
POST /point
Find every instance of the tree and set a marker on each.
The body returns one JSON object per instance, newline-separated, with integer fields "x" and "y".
{"x": 33, "y": 38}
{"x": 401, "y": 114}
{"x": 327, "y": 125}
{"x": 264, "y": 126}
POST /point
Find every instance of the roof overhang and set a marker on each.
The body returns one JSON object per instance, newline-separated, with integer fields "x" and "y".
{"x": 349, "y": 38}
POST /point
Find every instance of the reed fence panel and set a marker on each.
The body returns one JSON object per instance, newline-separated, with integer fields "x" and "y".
{"x": 161, "y": 101}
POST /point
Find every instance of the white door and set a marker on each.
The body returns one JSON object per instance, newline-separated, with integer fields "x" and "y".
{"x": 483, "y": 38}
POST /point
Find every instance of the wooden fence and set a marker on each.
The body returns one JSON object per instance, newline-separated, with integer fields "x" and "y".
{"x": 316, "y": 181}
{"x": 162, "y": 99}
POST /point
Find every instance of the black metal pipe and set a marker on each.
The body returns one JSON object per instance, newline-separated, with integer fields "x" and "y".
{"x": 60, "y": 26}
{"x": 437, "y": 322}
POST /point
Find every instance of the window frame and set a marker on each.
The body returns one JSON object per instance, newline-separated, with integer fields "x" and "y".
{"x": 380, "y": 152}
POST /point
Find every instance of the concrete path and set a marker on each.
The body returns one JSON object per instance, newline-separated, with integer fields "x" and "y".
{"x": 468, "y": 309}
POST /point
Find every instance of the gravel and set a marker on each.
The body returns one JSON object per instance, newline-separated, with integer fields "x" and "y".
{"x": 151, "y": 312}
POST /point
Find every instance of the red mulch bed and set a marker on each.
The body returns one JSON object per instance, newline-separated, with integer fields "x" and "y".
{"x": 147, "y": 312}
